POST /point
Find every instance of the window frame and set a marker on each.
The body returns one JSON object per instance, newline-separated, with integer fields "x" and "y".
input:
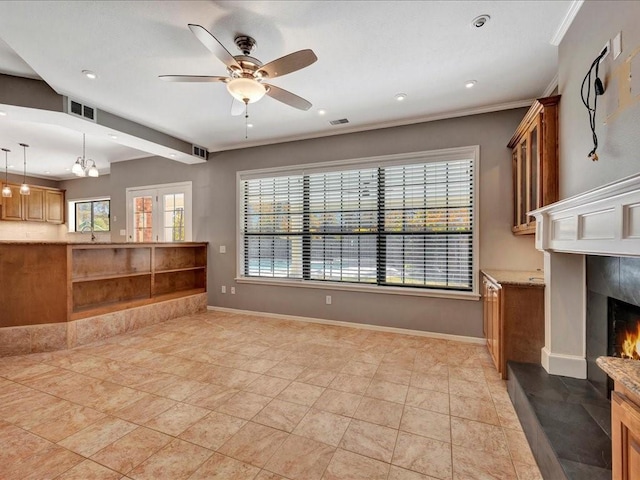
{"x": 449, "y": 154}
{"x": 73, "y": 220}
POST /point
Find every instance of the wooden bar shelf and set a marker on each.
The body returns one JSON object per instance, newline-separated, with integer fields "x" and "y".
{"x": 55, "y": 282}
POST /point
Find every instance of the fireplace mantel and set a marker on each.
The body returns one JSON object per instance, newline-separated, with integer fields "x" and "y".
{"x": 602, "y": 221}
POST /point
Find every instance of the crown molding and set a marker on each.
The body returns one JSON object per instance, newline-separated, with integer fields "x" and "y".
{"x": 566, "y": 22}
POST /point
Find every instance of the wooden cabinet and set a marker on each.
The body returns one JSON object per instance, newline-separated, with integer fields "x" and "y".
{"x": 60, "y": 282}
{"x": 492, "y": 319}
{"x": 625, "y": 434}
{"x": 12, "y": 206}
{"x": 34, "y": 209}
{"x": 43, "y": 204}
{"x": 513, "y": 320}
{"x": 54, "y": 206}
{"x": 106, "y": 278}
{"x": 534, "y": 157}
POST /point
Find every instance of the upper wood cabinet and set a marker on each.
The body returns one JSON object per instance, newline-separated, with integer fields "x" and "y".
{"x": 54, "y": 206}
{"x": 43, "y": 204}
{"x": 12, "y": 206}
{"x": 534, "y": 158}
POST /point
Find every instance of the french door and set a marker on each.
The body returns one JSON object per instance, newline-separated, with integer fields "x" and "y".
{"x": 159, "y": 213}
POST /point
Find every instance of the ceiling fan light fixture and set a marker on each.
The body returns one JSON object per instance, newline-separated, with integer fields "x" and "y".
{"x": 247, "y": 90}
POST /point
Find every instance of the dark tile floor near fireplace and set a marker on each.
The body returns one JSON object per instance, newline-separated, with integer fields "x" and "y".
{"x": 567, "y": 422}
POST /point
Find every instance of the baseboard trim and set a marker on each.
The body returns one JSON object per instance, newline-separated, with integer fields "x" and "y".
{"x": 363, "y": 326}
{"x": 565, "y": 365}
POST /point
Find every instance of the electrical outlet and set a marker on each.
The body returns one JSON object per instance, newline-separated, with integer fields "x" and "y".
{"x": 223, "y": 249}
{"x": 233, "y": 290}
{"x": 328, "y": 299}
{"x": 223, "y": 289}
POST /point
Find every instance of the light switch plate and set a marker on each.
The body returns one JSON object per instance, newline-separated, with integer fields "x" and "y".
{"x": 617, "y": 45}
{"x": 223, "y": 249}
{"x": 123, "y": 232}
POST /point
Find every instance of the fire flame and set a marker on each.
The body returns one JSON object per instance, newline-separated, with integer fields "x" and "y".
{"x": 631, "y": 344}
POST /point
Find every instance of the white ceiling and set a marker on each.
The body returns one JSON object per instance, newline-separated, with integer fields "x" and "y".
{"x": 368, "y": 51}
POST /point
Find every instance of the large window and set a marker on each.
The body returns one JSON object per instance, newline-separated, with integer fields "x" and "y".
{"x": 90, "y": 215}
{"x": 402, "y": 221}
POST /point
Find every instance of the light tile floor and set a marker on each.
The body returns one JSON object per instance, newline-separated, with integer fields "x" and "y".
{"x": 224, "y": 396}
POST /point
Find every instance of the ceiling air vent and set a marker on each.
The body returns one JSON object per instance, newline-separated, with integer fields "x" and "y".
{"x": 81, "y": 110}
{"x": 199, "y": 151}
{"x": 339, "y": 122}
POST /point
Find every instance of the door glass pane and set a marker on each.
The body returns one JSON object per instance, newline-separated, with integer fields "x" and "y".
{"x": 173, "y": 217}
{"x": 522, "y": 196}
{"x": 143, "y": 219}
{"x": 535, "y": 167}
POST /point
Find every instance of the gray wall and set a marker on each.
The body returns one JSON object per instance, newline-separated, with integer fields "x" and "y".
{"x": 498, "y": 247}
{"x": 619, "y": 138}
{"x": 214, "y": 200}
{"x": 142, "y": 172}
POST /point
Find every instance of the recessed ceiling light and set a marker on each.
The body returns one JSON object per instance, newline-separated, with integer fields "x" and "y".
{"x": 322, "y": 111}
{"x": 470, "y": 83}
{"x": 47, "y": 171}
{"x": 10, "y": 166}
{"x": 172, "y": 155}
{"x": 400, "y": 96}
{"x": 67, "y": 169}
{"x": 111, "y": 135}
{"x": 3, "y": 113}
{"x": 480, "y": 21}
{"x": 249, "y": 125}
{"x": 89, "y": 74}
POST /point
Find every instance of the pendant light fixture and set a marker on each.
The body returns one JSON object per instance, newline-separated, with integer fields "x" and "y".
{"x": 6, "y": 189}
{"x": 84, "y": 166}
{"x": 24, "y": 188}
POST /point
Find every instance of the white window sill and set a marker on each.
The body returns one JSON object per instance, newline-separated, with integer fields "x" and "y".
{"x": 413, "y": 292}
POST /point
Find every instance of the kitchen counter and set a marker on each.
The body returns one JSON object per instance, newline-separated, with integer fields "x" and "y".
{"x": 516, "y": 277}
{"x": 622, "y": 370}
{"x": 118, "y": 244}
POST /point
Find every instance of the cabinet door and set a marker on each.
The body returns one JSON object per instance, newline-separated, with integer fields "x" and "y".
{"x": 34, "y": 210}
{"x": 625, "y": 429}
{"x": 493, "y": 323}
{"x": 12, "y": 206}
{"x": 534, "y": 169}
{"x": 54, "y": 206}
{"x": 485, "y": 307}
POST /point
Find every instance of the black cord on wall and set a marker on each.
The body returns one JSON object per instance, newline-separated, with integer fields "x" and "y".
{"x": 598, "y": 89}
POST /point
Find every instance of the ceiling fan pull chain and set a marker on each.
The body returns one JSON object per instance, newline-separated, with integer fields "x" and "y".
{"x": 246, "y": 118}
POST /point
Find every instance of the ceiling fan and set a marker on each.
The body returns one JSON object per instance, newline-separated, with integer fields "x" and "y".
{"x": 247, "y": 75}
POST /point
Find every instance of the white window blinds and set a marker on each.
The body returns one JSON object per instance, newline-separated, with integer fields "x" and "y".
{"x": 397, "y": 225}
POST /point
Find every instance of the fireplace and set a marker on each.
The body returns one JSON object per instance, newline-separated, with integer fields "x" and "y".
{"x": 624, "y": 329}
{"x": 613, "y": 312}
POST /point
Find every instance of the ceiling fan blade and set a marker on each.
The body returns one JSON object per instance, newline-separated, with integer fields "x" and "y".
{"x": 192, "y": 78}
{"x": 287, "y": 97}
{"x": 214, "y": 45}
{"x": 237, "y": 107}
{"x": 289, "y": 63}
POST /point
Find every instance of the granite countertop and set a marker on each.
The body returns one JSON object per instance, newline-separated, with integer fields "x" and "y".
{"x": 622, "y": 370}
{"x": 516, "y": 277}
